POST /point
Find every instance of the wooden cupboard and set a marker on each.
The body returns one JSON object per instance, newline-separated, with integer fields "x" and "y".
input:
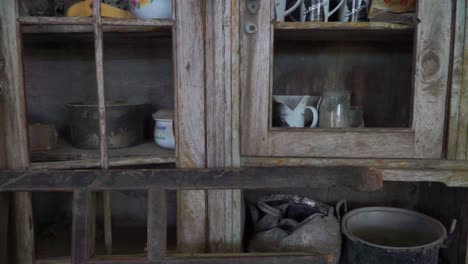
{"x": 220, "y": 79}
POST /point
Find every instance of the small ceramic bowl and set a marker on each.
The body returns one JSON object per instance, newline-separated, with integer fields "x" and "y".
{"x": 151, "y": 8}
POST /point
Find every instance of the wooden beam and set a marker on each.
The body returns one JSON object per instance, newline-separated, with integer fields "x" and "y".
{"x": 245, "y": 178}
{"x": 189, "y": 79}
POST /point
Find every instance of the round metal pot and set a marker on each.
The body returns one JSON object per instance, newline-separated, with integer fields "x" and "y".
{"x": 124, "y": 123}
{"x": 390, "y": 235}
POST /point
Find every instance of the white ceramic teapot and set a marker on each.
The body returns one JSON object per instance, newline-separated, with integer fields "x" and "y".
{"x": 292, "y": 110}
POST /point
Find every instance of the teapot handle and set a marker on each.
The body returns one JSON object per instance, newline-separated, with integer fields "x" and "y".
{"x": 290, "y": 10}
{"x": 341, "y": 204}
{"x": 334, "y": 10}
{"x": 314, "y": 114}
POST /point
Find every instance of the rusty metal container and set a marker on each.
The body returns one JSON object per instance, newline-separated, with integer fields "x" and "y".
{"x": 124, "y": 122}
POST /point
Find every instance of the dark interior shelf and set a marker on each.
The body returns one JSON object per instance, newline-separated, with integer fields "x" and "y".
{"x": 66, "y": 152}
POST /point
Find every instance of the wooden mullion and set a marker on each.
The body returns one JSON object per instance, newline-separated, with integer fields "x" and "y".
{"x": 98, "y": 40}
{"x": 157, "y": 224}
{"x": 83, "y": 229}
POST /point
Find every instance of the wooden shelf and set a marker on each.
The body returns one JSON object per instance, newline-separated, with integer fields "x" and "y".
{"x": 85, "y": 25}
{"x": 452, "y": 173}
{"x": 345, "y": 31}
{"x": 66, "y": 156}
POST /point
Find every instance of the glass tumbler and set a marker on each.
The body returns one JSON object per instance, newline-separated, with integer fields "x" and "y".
{"x": 335, "y": 109}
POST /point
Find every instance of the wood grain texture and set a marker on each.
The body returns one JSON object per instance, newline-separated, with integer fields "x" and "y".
{"x": 462, "y": 149}
{"x": 457, "y": 82}
{"x": 83, "y": 229}
{"x": 375, "y": 163}
{"x": 36, "y": 20}
{"x": 255, "y": 73}
{"x": 101, "y": 96}
{"x": 23, "y": 228}
{"x": 431, "y": 76}
{"x": 341, "y": 144}
{"x": 14, "y": 122}
{"x": 157, "y": 224}
{"x": 359, "y": 178}
{"x": 189, "y": 69}
{"x": 224, "y": 206}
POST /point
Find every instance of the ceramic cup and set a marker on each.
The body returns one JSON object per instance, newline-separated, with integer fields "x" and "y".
{"x": 151, "y": 8}
{"x": 164, "y": 129}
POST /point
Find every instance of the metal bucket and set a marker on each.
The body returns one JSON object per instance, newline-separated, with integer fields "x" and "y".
{"x": 124, "y": 123}
{"x": 390, "y": 235}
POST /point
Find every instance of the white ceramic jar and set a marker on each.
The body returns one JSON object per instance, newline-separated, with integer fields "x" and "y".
{"x": 151, "y": 8}
{"x": 163, "y": 130}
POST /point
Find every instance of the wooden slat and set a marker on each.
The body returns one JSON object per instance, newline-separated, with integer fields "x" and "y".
{"x": 422, "y": 164}
{"x": 457, "y": 85}
{"x": 4, "y": 226}
{"x": 235, "y": 82}
{"x": 255, "y": 62}
{"x": 83, "y": 229}
{"x": 175, "y": 179}
{"x": 189, "y": 79}
{"x": 452, "y": 178}
{"x": 227, "y": 258}
{"x": 23, "y": 228}
{"x": 37, "y": 20}
{"x": 157, "y": 224}
{"x": 104, "y": 158}
{"x": 398, "y": 144}
{"x": 162, "y": 23}
{"x": 224, "y": 206}
{"x": 377, "y": 26}
{"x": 14, "y": 122}
{"x": 431, "y": 76}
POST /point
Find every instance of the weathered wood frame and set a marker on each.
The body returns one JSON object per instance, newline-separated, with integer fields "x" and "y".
{"x": 85, "y": 183}
{"x": 188, "y": 41}
{"x": 423, "y": 140}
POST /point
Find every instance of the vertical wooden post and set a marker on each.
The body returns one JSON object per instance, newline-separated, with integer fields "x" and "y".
{"x": 83, "y": 229}
{"x": 98, "y": 43}
{"x": 15, "y": 128}
{"x": 157, "y": 225}
{"x": 224, "y": 206}
{"x": 458, "y": 125}
{"x": 189, "y": 62}
{"x": 431, "y": 76}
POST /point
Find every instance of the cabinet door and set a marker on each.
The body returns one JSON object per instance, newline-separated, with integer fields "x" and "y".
{"x": 397, "y": 74}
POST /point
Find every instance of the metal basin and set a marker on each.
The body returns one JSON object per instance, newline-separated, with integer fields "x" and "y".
{"x": 390, "y": 235}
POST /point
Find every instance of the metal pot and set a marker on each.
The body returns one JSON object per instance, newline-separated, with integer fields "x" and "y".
{"x": 124, "y": 123}
{"x": 389, "y": 235}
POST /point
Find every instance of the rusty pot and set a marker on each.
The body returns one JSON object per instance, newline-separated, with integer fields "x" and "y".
{"x": 124, "y": 123}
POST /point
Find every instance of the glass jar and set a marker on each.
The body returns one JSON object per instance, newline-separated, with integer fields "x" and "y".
{"x": 335, "y": 109}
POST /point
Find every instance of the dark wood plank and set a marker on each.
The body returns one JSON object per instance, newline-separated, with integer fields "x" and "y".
{"x": 83, "y": 229}
{"x": 245, "y": 178}
{"x": 4, "y": 218}
{"x": 238, "y": 258}
{"x": 157, "y": 224}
